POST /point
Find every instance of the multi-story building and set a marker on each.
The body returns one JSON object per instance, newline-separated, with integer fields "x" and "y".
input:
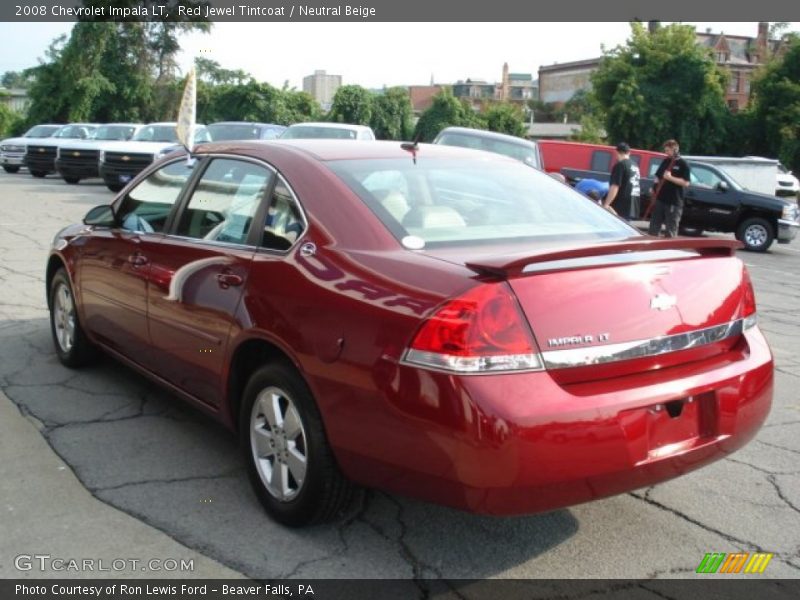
{"x": 322, "y": 86}
{"x": 560, "y": 82}
{"x": 739, "y": 55}
{"x": 513, "y": 87}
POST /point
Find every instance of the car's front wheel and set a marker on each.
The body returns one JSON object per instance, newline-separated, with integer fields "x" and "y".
{"x": 114, "y": 187}
{"x": 39, "y": 174}
{"x": 10, "y": 168}
{"x": 72, "y": 180}
{"x": 72, "y": 346}
{"x": 756, "y": 233}
{"x": 290, "y": 462}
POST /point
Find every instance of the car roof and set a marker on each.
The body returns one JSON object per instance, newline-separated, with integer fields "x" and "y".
{"x": 327, "y": 149}
{"x": 492, "y": 135}
{"x": 330, "y": 125}
{"x": 256, "y": 123}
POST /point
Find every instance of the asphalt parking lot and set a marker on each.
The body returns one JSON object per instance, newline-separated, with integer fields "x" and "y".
{"x": 139, "y": 450}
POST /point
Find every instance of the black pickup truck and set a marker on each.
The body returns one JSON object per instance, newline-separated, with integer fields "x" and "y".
{"x": 716, "y": 202}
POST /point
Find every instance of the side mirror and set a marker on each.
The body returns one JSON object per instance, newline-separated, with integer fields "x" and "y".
{"x": 722, "y": 186}
{"x": 100, "y": 216}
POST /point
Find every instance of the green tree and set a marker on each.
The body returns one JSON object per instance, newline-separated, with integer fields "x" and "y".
{"x": 300, "y": 107}
{"x": 212, "y": 72}
{"x": 351, "y": 104}
{"x": 391, "y": 115}
{"x": 10, "y": 121}
{"x": 662, "y": 85}
{"x": 15, "y": 79}
{"x": 776, "y": 106}
{"x": 505, "y": 117}
{"x": 446, "y": 111}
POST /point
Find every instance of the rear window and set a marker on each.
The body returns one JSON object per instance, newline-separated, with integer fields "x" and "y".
{"x": 520, "y": 152}
{"x": 451, "y": 202}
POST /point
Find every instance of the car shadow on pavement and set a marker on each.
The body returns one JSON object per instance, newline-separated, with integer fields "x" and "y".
{"x": 137, "y": 448}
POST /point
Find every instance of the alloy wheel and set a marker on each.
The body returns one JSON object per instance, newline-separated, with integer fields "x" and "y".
{"x": 279, "y": 444}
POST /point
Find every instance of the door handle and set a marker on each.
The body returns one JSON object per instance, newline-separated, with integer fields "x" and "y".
{"x": 137, "y": 259}
{"x": 226, "y": 280}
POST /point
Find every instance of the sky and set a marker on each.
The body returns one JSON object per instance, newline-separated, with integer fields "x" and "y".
{"x": 373, "y": 54}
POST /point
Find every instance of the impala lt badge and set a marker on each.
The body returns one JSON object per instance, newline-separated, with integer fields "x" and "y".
{"x": 663, "y": 302}
{"x": 573, "y": 340}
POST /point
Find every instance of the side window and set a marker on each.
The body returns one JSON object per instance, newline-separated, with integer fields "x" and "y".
{"x": 146, "y": 207}
{"x": 601, "y": 161}
{"x": 704, "y": 177}
{"x": 284, "y": 222}
{"x": 225, "y": 200}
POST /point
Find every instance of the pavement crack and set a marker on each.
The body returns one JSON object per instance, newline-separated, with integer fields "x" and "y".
{"x": 773, "y": 480}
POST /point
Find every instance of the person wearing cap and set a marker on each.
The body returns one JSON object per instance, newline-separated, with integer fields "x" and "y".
{"x": 593, "y": 188}
{"x": 672, "y": 177}
{"x": 623, "y": 190}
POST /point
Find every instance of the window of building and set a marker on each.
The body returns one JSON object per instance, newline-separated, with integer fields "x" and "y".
{"x": 733, "y": 85}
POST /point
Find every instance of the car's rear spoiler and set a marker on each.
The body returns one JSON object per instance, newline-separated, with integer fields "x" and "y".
{"x": 513, "y": 264}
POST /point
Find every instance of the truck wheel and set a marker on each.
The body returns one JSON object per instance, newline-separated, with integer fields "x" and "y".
{"x": 39, "y": 174}
{"x": 114, "y": 187}
{"x": 289, "y": 460}
{"x": 756, "y": 233}
{"x": 72, "y": 180}
{"x": 10, "y": 168}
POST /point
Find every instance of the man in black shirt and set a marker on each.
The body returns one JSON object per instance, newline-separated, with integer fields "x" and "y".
{"x": 623, "y": 191}
{"x": 671, "y": 178}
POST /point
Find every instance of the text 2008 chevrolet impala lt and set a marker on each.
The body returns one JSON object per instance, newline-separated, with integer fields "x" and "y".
{"x": 433, "y": 321}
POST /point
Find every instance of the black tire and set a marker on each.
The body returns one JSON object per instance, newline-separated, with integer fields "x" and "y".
{"x": 39, "y": 174}
{"x": 72, "y": 180}
{"x": 691, "y": 231}
{"x": 323, "y": 492}
{"x": 114, "y": 187}
{"x": 11, "y": 168}
{"x": 756, "y": 233}
{"x": 81, "y": 351}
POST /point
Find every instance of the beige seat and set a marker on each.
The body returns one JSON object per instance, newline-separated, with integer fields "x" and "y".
{"x": 396, "y": 204}
{"x": 429, "y": 217}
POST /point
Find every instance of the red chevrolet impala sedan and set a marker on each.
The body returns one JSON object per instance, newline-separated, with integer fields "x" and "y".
{"x": 433, "y": 321}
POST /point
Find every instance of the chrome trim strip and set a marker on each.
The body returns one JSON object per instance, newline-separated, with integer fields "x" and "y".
{"x": 788, "y": 223}
{"x": 598, "y": 355}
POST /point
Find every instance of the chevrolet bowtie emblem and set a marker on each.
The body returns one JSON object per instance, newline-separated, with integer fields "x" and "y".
{"x": 41, "y": 149}
{"x": 663, "y": 302}
{"x": 76, "y": 154}
{"x": 126, "y": 157}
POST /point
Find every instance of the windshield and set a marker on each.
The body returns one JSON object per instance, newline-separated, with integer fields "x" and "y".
{"x": 304, "y": 132}
{"x": 520, "y": 152}
{"x": 81, "y": 132}
{"x": 221, "y": 132}
{"x": 451, "y": 202}
{"x": 157, "y": 133}
{"x": 41, "y": 131}
{"x": 114, "y": 132}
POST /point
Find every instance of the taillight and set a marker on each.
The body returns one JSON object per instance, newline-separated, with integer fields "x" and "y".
{"x": 749, "y": 315}
{"x": 481, "y": 331}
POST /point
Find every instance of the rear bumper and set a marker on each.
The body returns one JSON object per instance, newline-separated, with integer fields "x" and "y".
{"x": 787, "y": 230}
{"x": 521, "y": 443}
